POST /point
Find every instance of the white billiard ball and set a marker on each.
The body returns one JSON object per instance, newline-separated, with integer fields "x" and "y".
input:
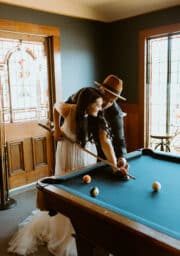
{"x": 156, "y": 186}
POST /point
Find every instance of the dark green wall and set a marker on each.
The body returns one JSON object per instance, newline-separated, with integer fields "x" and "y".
{"x": 123, "y": 46}
{"x": 90, "y": 50}
{"x": 80, "y": 45}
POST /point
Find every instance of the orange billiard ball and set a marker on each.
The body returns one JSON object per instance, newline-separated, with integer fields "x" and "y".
{"x": 87, "y": 178}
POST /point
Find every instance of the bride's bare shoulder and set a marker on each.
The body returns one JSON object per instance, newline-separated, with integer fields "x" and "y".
{"x": 64, "y": 108}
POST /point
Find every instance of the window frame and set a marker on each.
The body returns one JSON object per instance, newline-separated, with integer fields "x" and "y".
{"x": 142, "y": 102}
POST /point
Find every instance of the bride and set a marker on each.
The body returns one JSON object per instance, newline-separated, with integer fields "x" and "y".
{"x": 83, "y": 123}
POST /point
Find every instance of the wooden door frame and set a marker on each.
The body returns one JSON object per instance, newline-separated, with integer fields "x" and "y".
{"x": 52, "y": 36}
{"x": 143, "y": 36}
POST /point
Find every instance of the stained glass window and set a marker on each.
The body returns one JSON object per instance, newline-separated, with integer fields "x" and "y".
{"x": 24, "y": 80}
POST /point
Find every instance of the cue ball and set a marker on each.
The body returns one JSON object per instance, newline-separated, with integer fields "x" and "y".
{"x": 156, "y": 186}
{"x": 94, "y": 191}
{"x": 86, "y": 178}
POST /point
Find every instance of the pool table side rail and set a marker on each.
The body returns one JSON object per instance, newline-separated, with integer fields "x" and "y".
{"x": 155, "y": 154}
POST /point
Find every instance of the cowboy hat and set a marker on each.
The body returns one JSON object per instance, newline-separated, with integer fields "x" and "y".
{"x": 113, "y": 85}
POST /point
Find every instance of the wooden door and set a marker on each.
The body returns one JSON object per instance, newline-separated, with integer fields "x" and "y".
{"x": 27, "y": 82}
{"x": 30, "y": 153}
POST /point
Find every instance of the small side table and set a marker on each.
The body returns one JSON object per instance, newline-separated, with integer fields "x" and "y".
{"x": 164, "y": 142}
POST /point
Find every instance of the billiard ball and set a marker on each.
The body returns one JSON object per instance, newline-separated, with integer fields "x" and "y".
{"x": 156, "y": 186}
{"x": 122, "y": 162}
{"x": 94, "y": 191}
{"x": 86, "y": 178}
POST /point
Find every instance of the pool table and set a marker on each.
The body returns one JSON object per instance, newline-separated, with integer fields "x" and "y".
{"x": 127, "y": 217}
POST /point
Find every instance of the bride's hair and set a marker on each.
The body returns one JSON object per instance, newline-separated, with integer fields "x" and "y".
{"x": 84, "y": 123}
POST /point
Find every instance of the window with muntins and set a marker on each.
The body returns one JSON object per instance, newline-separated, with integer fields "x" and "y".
{"x": 24, "y": 80}
{"x": 163, "y": 85}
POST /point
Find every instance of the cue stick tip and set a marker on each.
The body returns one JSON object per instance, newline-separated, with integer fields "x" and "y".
{"x": 131, "y": 177}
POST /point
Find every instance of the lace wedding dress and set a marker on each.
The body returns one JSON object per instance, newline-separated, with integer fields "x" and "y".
{"x": 56, "y": 232}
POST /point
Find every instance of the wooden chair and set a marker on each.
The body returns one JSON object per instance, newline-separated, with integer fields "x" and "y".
{"x": 164, "y": 144}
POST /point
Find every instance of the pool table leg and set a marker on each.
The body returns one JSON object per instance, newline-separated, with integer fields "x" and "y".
{"x": 84, "y": 247}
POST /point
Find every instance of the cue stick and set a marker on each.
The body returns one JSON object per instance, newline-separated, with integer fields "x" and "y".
{"x": 86, "y": 150}
{"x": 45, "y": 127}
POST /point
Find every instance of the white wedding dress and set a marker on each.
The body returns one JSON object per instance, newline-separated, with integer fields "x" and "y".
{"x": 56, "y": 232}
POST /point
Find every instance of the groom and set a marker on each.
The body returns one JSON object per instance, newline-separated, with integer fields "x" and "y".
{"x": 110, "y": 90}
